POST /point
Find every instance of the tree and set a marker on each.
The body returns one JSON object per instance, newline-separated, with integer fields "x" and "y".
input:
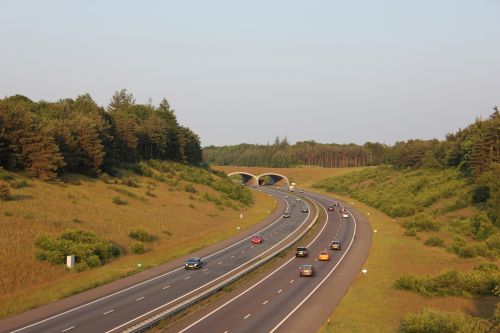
{"x": 120, "y": 101}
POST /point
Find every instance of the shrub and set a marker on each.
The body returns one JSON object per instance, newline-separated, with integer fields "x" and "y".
{"x": 105, "y": 178}
{"x": 21, "y": 183}
{"x": 119, "y": 201}
{"x": 141, "y": 235}
{"x": 434, "y": 241}
{"x": 435, "y": 321}
{"x": 422, "y": 222}
{"x": 4, "y": 175}
{"x": 4, "y": 192}
{"x": 81, "y": 266}
{"x": 190, "y": 188}
{"x": 129, "y": 181}
{"x": 151, "y": 194}
{"x": 138, "y": 248}
{"x": 93, "y": 261}
{"x": 493, "y": 242}
{"x": 410, "y": 233}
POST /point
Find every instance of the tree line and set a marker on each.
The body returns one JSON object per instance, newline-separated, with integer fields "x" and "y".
{"x": 473, "y": 150}
{"x": 79, "y": 136}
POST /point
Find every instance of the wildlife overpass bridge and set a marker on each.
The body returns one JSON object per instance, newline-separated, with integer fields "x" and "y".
{"x": 268, "y": 178}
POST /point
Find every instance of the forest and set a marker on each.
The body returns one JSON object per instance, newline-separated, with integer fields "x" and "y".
{"x": 47, "y": 139}
{"x": 472, "y": 149}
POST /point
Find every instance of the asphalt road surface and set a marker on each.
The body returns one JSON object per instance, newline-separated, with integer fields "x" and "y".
{"x": 282, "y": 301}
{"x": 118, "y": 308}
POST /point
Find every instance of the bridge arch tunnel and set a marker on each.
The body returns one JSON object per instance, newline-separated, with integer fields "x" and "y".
{"x": 272, "y": 178}
{"x": 246, "y": 178}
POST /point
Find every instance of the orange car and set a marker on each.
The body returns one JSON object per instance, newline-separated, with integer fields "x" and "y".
{"x": 324, "y": 256}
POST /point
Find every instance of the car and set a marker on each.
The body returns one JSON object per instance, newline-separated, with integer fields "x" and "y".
{"x": 257, "y": 239}
{"x": 305, "y": 210}
{"x": 301, "y": 191}
{"x": 324, "y": 256}
{"x": 306, "y": 270}
{"x": 193, "y": 263}
{"x": 286, "y": 215}
{"x": 336, "y": 204}
{"x": 298, "y": 199}
{"x": 330, "y": 208}
{"x": 286, "y": 196}
{"x": 335, "y": 245}
{"x": 344, "y": 215}
{"x": 301, "y": 251}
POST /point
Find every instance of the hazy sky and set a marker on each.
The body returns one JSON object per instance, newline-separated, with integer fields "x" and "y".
{"x": 246, "y": 71}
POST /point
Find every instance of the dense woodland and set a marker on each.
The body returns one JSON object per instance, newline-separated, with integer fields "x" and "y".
{"x": 79, "y": 136}
{"x": 472, "y": 150}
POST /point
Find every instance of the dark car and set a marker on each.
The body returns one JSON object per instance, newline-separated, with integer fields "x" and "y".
{"x": 257, "y": 239}
{"x": 305, "y": 210}
{"x": 286, "y": 215}
{"x": 335, "y": 245}
{"x": 330, "y": 208}
{"x": 306, "y": 270}
{"x": 193, "y": 263}
{"x": 301, "y": 251}
{"x": 336, "y": 204}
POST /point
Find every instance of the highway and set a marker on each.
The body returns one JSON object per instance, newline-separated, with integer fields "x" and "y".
{"x": 282, "y": 301}
{"x": 115, "y": 311}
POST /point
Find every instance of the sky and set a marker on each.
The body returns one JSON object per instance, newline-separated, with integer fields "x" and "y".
{"x": 248, "y": 71}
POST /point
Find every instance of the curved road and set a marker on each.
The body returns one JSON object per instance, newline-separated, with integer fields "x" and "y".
{"x": 115, "y": 311}
{"x": 282, "y": 301}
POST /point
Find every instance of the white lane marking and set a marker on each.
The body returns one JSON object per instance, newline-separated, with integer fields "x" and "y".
{"x": 206, "y": 269}
{"x": 108, "y": 312}
{"x": 147, "y": 281}
{"x": 243, "y": 251}
{"x": 292, "y": 281}
{"x": 68, "y": 329}
{"x": 322, "y": 281}
{"x": 265, "y": 302}
{"x": 139, "y": 299}
{"x": 226, "y": 331}
{"x": 166, "y": 287}
{"x": 212, "y": 281}
{"x": 279, "y": 291}
{"x": 248, "y": 315}
{"x": 220, "y": 262}
{"x": 232, "y": 257}
{"x": 256, "y": 284}
{"x": 187, "y": 277}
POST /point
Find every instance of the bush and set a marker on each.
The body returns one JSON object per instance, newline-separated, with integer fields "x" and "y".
{"x": 138, "y": 248}
{"x": 190, "y": 188}
{"x": 434, "y": 241}
{"x": 88, "y": 248}
{"x": 422, "y": 222}
{"x": 410, "y": 233}
{"x": 4, "y": 175}
{"x": 4, "y": 192}
{"x": 119, "y": 201}
{"x": 129, "y": 181}
{"x": 141, "y": 235}
{"x": 19, "y": 183}
{"x": 436, "y": 321}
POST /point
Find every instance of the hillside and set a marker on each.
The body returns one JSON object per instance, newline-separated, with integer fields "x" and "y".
{"x": 156, "y": 207}
{"x": 434, "y": 248}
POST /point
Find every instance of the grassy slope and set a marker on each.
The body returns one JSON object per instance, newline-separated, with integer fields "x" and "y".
{"x": 373, "y": 304}
{"x": 171, "y": 214}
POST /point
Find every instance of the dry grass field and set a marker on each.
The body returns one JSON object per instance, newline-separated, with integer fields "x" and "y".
{"x": 182, "y": 222}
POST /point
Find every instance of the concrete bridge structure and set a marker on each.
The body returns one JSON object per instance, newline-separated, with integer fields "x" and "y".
{"x": 268, "y": 178}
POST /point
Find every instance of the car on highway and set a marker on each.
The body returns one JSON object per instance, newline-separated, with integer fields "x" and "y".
{"x": 286, "y": 215}
{"x": 193, "y": 263}
{"x": 305, "y": 210}
{"x": 306, "y": 270}
{"x": 257, "y": 239}
{"x": 298, "y": 199}
{"x": 335, "y": 245}
{"x": 336, "y": 204}
{"x": 301, "y": 251}
{"x": 301, "y": 191}
{"x": 324, "y": 255}
{"x": 286, "y": 197}
{"x": 330, "y": 208}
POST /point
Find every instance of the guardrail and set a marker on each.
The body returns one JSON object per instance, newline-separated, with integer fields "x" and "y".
{"x": 153, "y": 320}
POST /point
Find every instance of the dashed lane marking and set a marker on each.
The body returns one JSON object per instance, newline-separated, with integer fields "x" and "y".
{"x": 248, "y": 315}
{"x": 166, "y": 287}
{"x": 68, "y": 329}
{"x": 139, "y": 299}
{"x": 108, "y": 312}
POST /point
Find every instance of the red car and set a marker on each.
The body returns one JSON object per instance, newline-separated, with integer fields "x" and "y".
{"x": 257, "y": 239}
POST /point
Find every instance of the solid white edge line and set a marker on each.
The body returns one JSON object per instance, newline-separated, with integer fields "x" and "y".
{"x": 192, "y": 291}
{"x": 256, "y": 284}
{"x": 68, "y": 329}
{"x": 144, "y": 282}
{"x": 321, "y": 282}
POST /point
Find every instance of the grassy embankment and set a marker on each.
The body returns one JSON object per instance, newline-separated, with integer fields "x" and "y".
{"x": 430, "y": 203}
{"x": 183, "y": 208}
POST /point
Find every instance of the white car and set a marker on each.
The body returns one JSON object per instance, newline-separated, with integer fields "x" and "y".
{"x": 344, "y": 215}
{"x": 298, "y": 199}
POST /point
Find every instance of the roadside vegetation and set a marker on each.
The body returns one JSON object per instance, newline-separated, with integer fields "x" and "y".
{"x": 434, "y": 261}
